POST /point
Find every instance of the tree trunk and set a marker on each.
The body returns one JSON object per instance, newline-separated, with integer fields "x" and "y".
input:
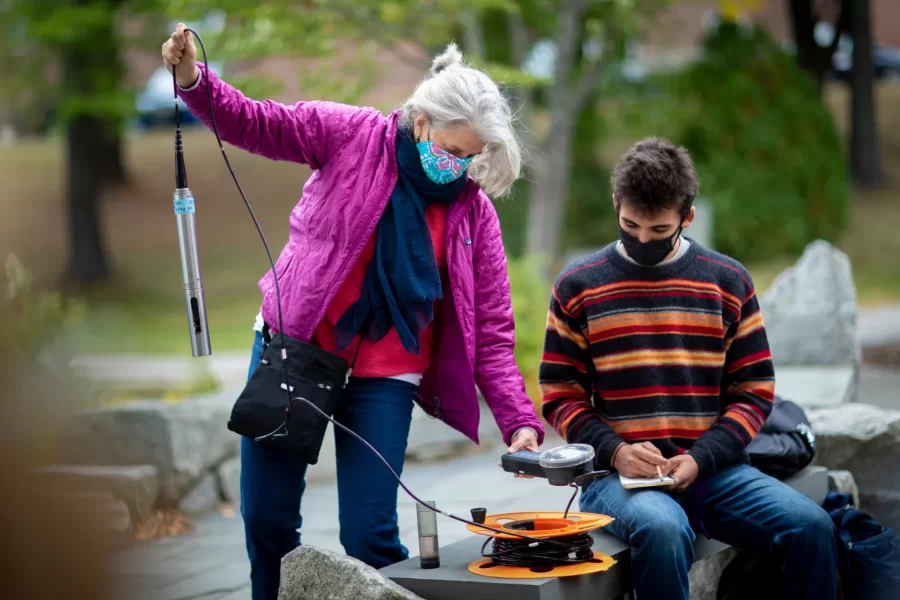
{"x": 473, "y": 39}
{"x": 865, "y": 153}
{"x": 87, "y": 141}
{"x": 112, "y": 155}
{"x": 549, "y": 191}
{"x": 87, "y": 257}
{"x": 812, "y": 58}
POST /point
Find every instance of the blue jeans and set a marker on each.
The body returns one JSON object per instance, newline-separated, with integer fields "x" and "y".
{"x": 272, "y": 483}
{"x": 744, "y": 508}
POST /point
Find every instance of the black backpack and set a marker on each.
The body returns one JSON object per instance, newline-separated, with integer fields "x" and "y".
{"x": 786, "y": 443}
{"x": 868, "y": 561}
{"x": 869, "y": 552}
{"x": 754, "y": 575}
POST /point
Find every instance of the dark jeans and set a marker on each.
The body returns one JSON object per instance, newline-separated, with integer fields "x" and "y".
{"x": 744, "y": 508}
{"x": 272, "y": 483}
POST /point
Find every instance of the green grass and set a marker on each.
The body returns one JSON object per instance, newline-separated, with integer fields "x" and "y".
{"x": 150, "y": 309}
{"x": 141, "y": 309}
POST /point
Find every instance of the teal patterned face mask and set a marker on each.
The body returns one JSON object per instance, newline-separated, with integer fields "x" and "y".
{"x": 440, "y": 165}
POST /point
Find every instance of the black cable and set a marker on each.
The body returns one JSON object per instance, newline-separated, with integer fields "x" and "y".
{"x": 574, "y": 550}
{"x": 212, "y": 116}
{"x": 571, "y": 500}
{"x": 533, "y": 542}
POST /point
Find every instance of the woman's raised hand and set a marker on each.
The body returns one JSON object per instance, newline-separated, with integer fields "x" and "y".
{"x": 179, "y": 50}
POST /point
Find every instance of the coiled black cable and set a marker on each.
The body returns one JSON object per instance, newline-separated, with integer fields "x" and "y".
{"x": 568, "y": 550}
{"x": 531, "y": 542}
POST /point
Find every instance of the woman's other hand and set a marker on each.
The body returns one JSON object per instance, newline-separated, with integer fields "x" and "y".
{"x": 524, "y": 439}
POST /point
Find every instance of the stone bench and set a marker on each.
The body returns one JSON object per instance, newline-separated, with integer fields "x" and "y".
{"x": 453, "y": 580}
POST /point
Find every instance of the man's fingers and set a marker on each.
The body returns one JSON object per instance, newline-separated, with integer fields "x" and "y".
{"x": 650, "y": 447}
{"x": 640, "y": 468}
{"x": 650, "y": 457}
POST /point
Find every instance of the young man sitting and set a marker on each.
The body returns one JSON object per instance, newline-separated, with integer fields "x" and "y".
{"x": 656, "y": 355}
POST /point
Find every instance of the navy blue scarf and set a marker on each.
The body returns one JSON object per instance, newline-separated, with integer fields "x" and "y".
{"x": 403, "y": 281}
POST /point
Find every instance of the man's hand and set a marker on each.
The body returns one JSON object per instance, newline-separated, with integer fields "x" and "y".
{"x": 523, "y": 439}
{"x": 640, "y": 460}
{"x": 684, "y": 470}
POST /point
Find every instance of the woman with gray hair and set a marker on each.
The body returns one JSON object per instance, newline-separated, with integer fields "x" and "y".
{"x": 394, "y": 230}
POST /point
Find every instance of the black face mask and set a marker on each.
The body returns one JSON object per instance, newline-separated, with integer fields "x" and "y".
{"x": 649, "y": 253}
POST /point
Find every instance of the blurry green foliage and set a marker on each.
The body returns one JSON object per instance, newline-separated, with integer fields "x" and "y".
{"x": 530, "y": 299}
{"x": 766, "y": 148}
{"x": 590, "y": 220}
{"x": 38, "y": 376}
{"x": 36, "y": 320}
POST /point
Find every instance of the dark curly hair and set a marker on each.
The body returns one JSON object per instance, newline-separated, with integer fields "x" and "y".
{"x": 655, "y": 175}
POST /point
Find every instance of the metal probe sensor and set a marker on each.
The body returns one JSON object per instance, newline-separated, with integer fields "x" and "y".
{"x": 187, "y": 242}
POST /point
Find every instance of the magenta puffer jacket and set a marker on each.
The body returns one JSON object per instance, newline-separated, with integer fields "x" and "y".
{"x": 352, "y": 155}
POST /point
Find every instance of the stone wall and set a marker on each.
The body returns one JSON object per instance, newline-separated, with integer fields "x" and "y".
{"x": 864, "y": 440}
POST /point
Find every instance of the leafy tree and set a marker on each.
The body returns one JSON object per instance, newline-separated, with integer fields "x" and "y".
{"x": 588, "y": 39}
{"x": 851, "y": 17}
{"x": 84, "y": 41}
{"x": 80, "y": 38}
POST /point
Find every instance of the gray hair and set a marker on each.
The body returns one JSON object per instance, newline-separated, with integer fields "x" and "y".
{"x": 455, "y": 94}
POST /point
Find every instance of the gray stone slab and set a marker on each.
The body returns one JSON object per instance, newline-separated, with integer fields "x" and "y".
{"x": 880, "y": 325}
{"x": 181, "y": 440}
{"x": 453, "y": 579}
{"x": 814, "y": 387}
{"x": 137, "y": 486}
{"x": 879, "y": 386}
{"x": 203, "y": 497}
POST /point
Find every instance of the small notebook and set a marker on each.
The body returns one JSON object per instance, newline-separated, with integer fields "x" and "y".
{"x": 630, "y": 483}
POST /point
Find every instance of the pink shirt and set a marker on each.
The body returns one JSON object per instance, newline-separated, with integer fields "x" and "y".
{"x": 388, "y": 357}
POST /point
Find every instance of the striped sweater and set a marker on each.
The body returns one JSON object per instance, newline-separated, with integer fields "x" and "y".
{"x": 675, "y": 354}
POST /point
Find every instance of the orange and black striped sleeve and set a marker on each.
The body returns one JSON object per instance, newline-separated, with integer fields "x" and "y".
{"x": 567, "y": 385}
{"x": 747, "y": 394}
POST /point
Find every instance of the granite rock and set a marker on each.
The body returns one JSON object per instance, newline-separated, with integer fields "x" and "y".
{"x": 137, "y": 486}
{"x": 843, "y": 482}
{"x": 229, "y": 476}
{"x": 704, "y": 574}
{"x": 810, "y": 310}
{"x": 310, "y": 573}
{"x": 864, "y": 440}
{"x": 203, "y": 497}
{"x": 183, "y": 441}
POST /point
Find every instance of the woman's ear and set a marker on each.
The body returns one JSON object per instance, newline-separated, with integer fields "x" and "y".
{"x": 421, "y": 124}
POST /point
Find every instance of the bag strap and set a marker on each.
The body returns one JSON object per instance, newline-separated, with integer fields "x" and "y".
{"x": 267, "y": 337}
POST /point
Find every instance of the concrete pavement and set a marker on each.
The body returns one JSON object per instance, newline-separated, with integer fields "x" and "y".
{"x": 211, "y": 562}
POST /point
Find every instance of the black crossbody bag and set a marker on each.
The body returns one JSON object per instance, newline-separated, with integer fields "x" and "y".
{"x": 270, "y": 412}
